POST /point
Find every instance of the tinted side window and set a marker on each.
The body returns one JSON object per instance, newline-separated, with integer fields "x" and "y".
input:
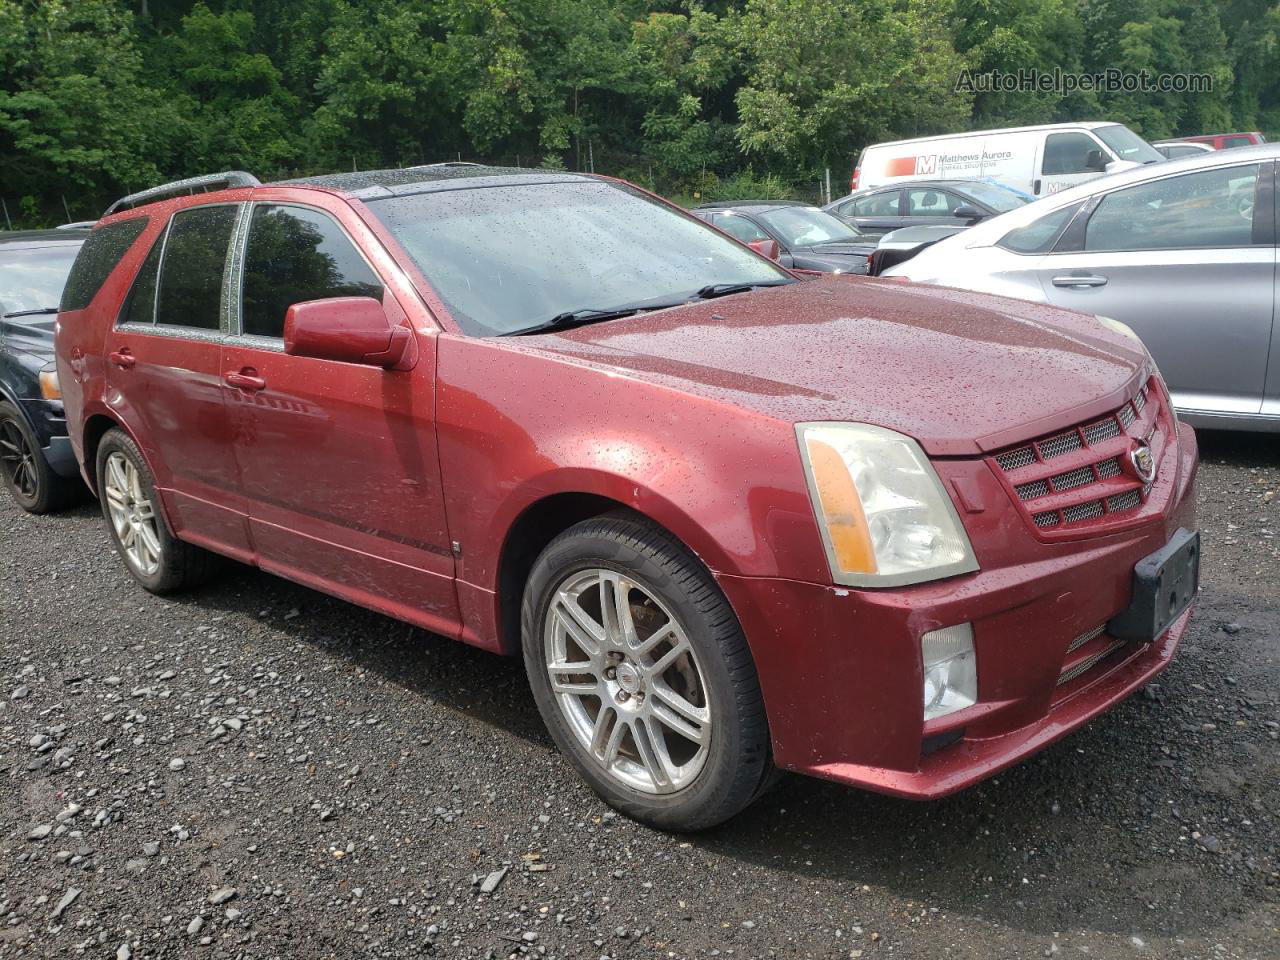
{"x": 98, "y": 257}
{"x": 1209, "y": 209}
{"x": 1230, "y": 142}
{"x": 1067, "y": 153}
{"x": 1038, "y": 236}
{"x": 195, "y": 259}
{"x": 739, "y": 226}
{"x": 880, "y": 205}
{"x": 297, "y": 254}
{"x": 931, "y": 203}
{"x": 140, "y": 306}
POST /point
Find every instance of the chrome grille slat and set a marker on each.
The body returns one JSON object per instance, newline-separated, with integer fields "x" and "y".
{"x": 1075, "y": 478}
{"x": 1083, "y": 511}
{"x": 1084, "y": 638}
{"x": 1096, "y": 433}
{"x": 1083, "y": 479}
{"x": 1030, "y": 491}
{"x": 1062, "y": 444}
{"x": 1022, "y": 457}
{"x": 1088, "y": 663}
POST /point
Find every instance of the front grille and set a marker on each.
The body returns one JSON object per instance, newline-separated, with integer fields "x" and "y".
{"x": 1089, "y": 662}
{"x": 1084, "y": 638}
{"x": 1089, "y": 484}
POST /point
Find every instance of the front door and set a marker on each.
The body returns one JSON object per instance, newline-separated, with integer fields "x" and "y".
{"x": 164, "y": 364}
{"x": 1065, "y": 161}
{"x": 1189, "y": 264}
{"x": 338, "y": 460}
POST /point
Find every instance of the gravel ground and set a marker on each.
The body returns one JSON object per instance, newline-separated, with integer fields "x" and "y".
{"x": 256, "y": 770}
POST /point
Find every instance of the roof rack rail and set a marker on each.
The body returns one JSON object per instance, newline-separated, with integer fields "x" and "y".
{"x": 210, "y": 181}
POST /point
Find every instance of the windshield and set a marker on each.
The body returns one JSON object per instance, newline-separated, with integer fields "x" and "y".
{"x": 1127, "y": 145}
{"x": 998, "y": 198}
{"x": 507, "y": 258}
{"x": 807, "y": 226}
{"x": 32, "y": 279}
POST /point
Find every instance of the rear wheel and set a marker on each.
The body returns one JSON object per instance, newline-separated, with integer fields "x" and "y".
{"x": 643, "y": 676}
{"x": 157, "y": 559}
{"x": 30, "y": 479}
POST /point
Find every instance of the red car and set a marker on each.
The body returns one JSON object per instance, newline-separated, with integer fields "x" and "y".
{"x": 1225, "y": 141}
{"x": 734, "y": 520}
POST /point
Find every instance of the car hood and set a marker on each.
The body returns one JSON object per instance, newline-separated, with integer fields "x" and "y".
{"x": 32, "y": 335}
{"x": 962, "y": 373}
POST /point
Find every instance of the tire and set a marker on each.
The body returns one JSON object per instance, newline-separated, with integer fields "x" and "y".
{"x": 30, "y": 480}
{"x": 163, "y": 564}
{"x": 681, "y": 747}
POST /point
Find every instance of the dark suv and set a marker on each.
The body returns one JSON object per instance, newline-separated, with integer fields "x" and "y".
{"x": 36, "y": 461}
{"x": 733, "y": 519}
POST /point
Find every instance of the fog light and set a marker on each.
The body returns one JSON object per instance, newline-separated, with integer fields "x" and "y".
{"x": 950, "y": 670}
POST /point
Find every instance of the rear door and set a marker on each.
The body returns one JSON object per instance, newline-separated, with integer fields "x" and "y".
{"x": 1188, "y": 262}
{"x": 928, "y": 206}
{"x": 877, "y": 212}
{"x": 163, "y": 363}
{"x": 338, "y": 459}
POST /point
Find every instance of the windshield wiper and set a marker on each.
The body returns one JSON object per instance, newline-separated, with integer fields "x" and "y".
{"x": 713, "y": 290}
{"x": 31, "y": 313}
{"x": 584, "y": 315}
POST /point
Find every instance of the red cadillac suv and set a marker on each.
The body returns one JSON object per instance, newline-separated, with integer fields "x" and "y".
{"x": 734, "y": 520}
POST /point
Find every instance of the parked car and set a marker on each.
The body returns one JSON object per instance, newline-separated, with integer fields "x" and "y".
{"x": 951, "y": 203}
{"x": 1174, "y": 149}
{"x": 806, "y": 238}
{"x": 36, "y": 461}
{"x": 1228, "y": 141}
{"x": 1184, "y": 252}
{"x": 1037, "y": 160}
{"x": 898, "y": 246}
{"x": 733, "y": 518}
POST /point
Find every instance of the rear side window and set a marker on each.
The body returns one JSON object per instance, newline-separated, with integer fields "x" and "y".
{"x": 140, "y": 307}
{"x": 1230, "y": 142}
{"x": 1213, "y": 208}
{"x": 297, "y": 254}
{"x": 1038, "y": 236}
{"x": 878, "y": 205}
{"x": 195, "y": 259}
{"x": 739, "y": 226}
{"x": 98, "y": 257}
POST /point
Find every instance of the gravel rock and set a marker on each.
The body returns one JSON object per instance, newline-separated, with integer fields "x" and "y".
{"x": 222, "y": 895}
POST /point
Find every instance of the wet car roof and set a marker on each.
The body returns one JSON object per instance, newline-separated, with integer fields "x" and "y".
{"x": 370, "y": 184}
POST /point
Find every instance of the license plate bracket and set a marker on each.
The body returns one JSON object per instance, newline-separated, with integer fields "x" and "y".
{"x": 1164, "y": 585}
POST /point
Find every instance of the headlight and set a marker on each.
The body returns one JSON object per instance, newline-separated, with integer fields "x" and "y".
{"x": 885, "y": 518}
{"x": 950, "y": 670}
{"x": 49, "y": 388}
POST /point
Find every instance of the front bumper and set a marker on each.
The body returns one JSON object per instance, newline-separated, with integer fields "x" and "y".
{"x": 840, "y": 668}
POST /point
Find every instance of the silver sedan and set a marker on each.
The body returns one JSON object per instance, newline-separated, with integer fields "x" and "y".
{"x": 1183, "y": 252}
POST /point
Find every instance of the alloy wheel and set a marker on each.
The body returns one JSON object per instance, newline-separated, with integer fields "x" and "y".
{"x": 17, "y": 461}
{"x": 627, "y": 681}
{"x": 133, "y": 516}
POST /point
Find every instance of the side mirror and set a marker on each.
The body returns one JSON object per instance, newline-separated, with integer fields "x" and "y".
{"x": 348, "y": 329}
{"x": 968, "y": 213}
{"x": 766, "y": 248}
{"x": 1095, "y": 160}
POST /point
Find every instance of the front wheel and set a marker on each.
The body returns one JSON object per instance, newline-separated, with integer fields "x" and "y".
{"x": 642, "y": 675}
{"x": 31, "y": 481}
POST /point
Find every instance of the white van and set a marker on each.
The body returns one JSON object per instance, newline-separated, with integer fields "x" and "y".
{"x": 1036, "y": 160}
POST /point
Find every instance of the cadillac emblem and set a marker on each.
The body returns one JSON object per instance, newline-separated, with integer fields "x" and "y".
{"x": 1144, "y": 464}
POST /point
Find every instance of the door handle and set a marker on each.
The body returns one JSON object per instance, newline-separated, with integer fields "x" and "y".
{"x": 246, "y": 379}
{"x": 1080, "y": 280}
{"x": 122, "y": 358}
